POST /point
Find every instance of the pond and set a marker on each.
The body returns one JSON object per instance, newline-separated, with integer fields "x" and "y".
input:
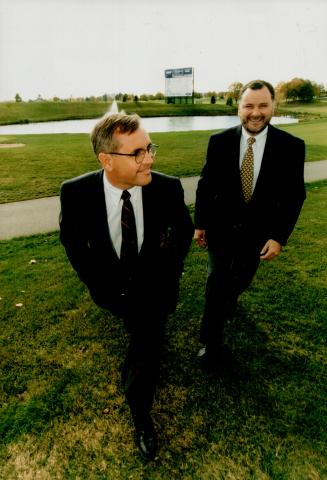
{"x": 151, "y": 124}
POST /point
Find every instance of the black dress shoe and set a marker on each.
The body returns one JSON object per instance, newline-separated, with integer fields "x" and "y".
{"x": 217, "y": 360}
{"x": 146, "y": 437}
{"x": 207, "y": 364}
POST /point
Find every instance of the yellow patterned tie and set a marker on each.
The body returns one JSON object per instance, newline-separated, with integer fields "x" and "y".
{"x": 247, "y": 171}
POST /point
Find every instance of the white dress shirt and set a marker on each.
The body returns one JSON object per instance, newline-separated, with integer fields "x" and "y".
{"x": 114, "y": 205}
{"x": 258, "y": 149}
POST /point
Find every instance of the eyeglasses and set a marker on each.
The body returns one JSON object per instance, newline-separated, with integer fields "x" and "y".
{"x": 140, "y": 153}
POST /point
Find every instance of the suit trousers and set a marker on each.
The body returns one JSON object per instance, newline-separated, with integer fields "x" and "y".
{"x": 140, "y": 372}
{"x": 231, "y": 268}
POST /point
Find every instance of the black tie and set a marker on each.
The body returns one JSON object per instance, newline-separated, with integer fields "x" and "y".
{"x": 129, "y": 248}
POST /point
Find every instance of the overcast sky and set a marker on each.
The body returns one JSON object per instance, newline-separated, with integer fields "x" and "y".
{"x": 91, "y": 47}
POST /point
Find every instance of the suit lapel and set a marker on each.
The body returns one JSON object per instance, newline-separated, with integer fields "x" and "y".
{"x": 99, "y": 203}
{"x": 99, "y": 210}
{"x": 234, "y": 154}
{"x": 149, "y": 211}
{"x": 267, "y": 161}
{"x": 235, "y": 147}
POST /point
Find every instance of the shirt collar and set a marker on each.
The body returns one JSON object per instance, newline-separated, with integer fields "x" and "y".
{"x": 115, "y": 193}
{"x": 258, "y": 137}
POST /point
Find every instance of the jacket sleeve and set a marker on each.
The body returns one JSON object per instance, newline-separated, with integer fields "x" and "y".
{"x": 176, "y": 243}
{"x": 182, "y": 223}
{"x": 204, "y": 190}
{"x": 72, "y": 235}
{"x": 177, "y": 233}
{"x": 293, "y": 194}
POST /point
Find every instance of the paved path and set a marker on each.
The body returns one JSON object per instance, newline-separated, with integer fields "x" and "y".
{"x": 41, "y": 215}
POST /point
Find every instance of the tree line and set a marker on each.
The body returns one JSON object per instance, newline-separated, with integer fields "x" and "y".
{"x": 120, "y": 97}
{"x": 295, "y": 90}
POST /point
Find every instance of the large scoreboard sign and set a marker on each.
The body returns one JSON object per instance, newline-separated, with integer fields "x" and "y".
{"x": 179, "y": 82}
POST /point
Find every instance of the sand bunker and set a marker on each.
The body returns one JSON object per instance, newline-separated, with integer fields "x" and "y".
{"x": 11, "y": 145}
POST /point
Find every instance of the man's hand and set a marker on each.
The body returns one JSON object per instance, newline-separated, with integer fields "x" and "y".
{"x": 200, "y": 237}
{"x": 271, "y": 250}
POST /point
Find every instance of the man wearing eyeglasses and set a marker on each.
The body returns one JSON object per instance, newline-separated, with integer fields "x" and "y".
{"x": 126, "y": 231}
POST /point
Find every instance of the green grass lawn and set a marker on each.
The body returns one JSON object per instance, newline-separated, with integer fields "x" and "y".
{"x": 38, "y": 169}
{"x": 63, "y": 415}
{"x": 24, "y": 112}
{"x": 315, "y": 109}
{"x": 314, "y": 133}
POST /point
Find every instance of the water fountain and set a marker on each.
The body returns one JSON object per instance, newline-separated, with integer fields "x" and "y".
{"x": 113, "y": 108}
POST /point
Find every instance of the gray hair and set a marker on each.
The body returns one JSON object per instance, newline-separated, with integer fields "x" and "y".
{"x": 102, "y": 135}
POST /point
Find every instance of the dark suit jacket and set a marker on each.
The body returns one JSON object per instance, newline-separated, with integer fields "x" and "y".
{"x": 168, "y": 231}
{"x": 276, "y": 201}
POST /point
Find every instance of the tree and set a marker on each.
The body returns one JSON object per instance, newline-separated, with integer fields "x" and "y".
{"x": 198, "y": 95}
{"x": 234, "y": 90}
{"x": 298, "y": 89}
{"x": 229, "y": 101}
{"x": 210, "y": 94}
{"x": 213, "y": 99}
{"x": 306, "y": 91}
{"x": 18, "y": 98}
{"x": 159, "y": 96}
